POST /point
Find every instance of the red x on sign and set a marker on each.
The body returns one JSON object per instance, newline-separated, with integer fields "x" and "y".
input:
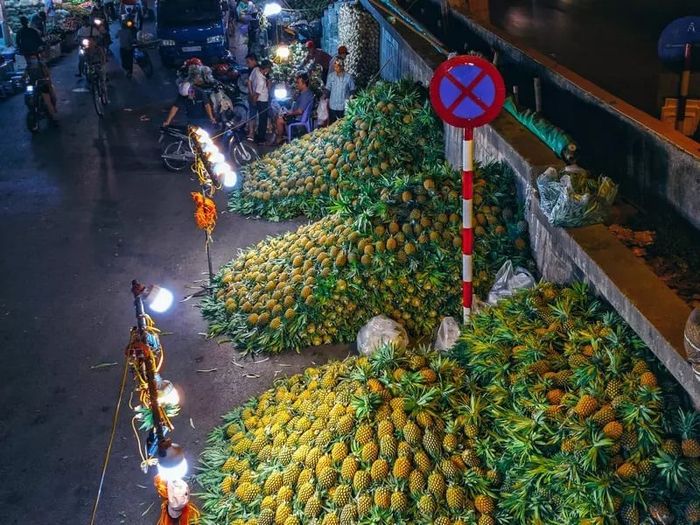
{"x": 467, "y": 91}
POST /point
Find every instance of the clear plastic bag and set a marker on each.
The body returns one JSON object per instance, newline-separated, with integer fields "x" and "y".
{"x": 447, "y": 334}
{"x": 508, "y": 281}
{"x": 572, "y": 197}
{"x": 691, "y": 340}
{"x": 378, "y": 331}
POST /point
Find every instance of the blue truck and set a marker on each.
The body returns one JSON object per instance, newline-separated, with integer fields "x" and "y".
{"x": 191, "y": 28}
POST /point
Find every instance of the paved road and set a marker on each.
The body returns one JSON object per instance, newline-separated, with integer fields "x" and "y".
{"x": 612, "y": 43}
{"x": 83, "y": 210}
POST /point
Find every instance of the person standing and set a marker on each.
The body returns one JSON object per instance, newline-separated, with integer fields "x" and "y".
{"x": 260, "y": 96}
{"x": 316, "y": 56}
{"x": 341, "y": 87}
{"x": 38, "y": 22}
{"x": 127, "y": 39}
{"x": 342, "y": 55}
{"x": 28, "y": 39}
{"x": 251, "y": 61}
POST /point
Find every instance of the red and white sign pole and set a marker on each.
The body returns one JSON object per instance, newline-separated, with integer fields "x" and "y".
{"x": 467, "y": 92}
{"x": 467, "y": 221}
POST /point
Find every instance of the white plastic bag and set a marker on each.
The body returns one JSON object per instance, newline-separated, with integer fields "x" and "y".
{"x": 508, "y": 281}
{"x": 379, "y": 331}
{"x": 447, "y": 334}
{"x": 322, "y": 113}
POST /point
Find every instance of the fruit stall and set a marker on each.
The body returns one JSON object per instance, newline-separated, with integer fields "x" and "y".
{"x": 549, "y": 409}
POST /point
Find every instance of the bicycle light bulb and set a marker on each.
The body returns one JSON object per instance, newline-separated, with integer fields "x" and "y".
{"x": 172, "y": 463}
{"x": 202, "y": 135}
{"x": 85, "y": 42}
{"x": 159, "y": 299}
{"x": 215, "y": 158}
{"x": 167, "y": 393}
{"x": 98, "y": 22}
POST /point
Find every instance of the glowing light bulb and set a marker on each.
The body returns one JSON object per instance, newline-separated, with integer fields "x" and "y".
{"x": 230, "y": 179}
{"x": 272, "y": 9}
{"x": 202, "y": 135}
{"x": 210, "y": 148}
{"x": 281, "y": 93}
{"x": 283, "y": 52}
{"x": 159, "y": 299}
{"x": 167, "y": 393}
{"x": 215, "y": 158}
{"x": 173, "y": 464}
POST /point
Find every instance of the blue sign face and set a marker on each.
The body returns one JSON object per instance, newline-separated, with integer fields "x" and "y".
{"x": 671, "y": 46}
{"x": 467, "y": 92}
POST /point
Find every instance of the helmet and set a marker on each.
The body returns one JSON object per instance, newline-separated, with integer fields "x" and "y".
{"x": 193, "y": 62}
{"x": 310, "y": 44}
{"x": 221, "y": 69}
{"x": 185, "y": 89}
{"x": 342, "y": 50}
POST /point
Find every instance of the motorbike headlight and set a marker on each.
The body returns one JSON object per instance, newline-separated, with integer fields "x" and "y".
{"x": 81, "y": 51}
{"x": 167, "y": 42}
{"x": 85, "y": 42}
{"x": 217, "y": 39}
{"x": 30, "y": 90}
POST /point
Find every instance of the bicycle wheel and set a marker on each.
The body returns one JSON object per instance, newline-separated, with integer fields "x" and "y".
{"x": 171, "y": 153}
{"x": 242, "y": 153}
{"x": 97, "y": 99}
{"x": 32, "y": 121}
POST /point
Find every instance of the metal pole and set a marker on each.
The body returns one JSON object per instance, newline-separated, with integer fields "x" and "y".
{"x": 685, "y": 85}
{"x": 538, "y": 95}
{"x": 467, "y": 211}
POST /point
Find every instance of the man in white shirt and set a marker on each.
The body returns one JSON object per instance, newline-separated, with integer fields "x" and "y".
{"x": 260, "y": 96}
{"x": 340, "y": 87}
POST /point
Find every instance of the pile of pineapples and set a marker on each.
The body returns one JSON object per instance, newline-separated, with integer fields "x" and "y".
{"x": 548, "y": 411}
{"x": 369, "y": 440}
{"x": 578, "y": 416}
{"x": 391, "y": 247}
{"x": 387, "y": 127}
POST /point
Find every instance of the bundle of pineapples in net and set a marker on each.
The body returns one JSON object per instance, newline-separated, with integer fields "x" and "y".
{"x": 388, "y": 126}
{"x": 550, "y": 410}
{"x": 391, "y": 246}
{"x": 359, "y": 32}
{"x": 578, "y": 415}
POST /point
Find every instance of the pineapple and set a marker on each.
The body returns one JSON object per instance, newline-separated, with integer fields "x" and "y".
{"x": 455, "y": 497}
{"x": 605, "y": 415}
{"x": 227, "y": 484}
{"x": 629, "y": 515}
{"x": 613, "y": 430}
{"x": 387, "y": 447}
{"x": 364, "y": 505}
{"x": 348, "y": 515}
{"x": 312, "y": 508}
{"x": 305, "y": 492}
{"x": 361, "y": 481}
{"x": 247, "y": 492}
{"x": 382, "y": 497}
{"x": 692, "y": 512}
{"x": 432, "y": 443}
{"x": 412, "y": 433}
{"x": 436, "y": 485}
{"x": 416, "y": 482}
{"x": 266, "y": 517}
{"x": 422, "y": 462}
{"x": 327, "y": 478}
{"x": 426, "y": 505}
{"x": 342, "y": 495}
{"x": 627, "y": 470}
{"x": 349, "y": 468}
{"x": 586, "y": 406}
{"x": 384, "y": 429}
{"x": 485, "y": 519}
{"x": 364, "y": 434}
{"x": 689, "y": 424}
{"x": 379, "y": 470}
{"x": 484, "y": 504}
{"x": 399, "y": 502}
{"x": 339, "y": 452}
{"x": 370, "y": 452}
{"x": 402, "y": 468}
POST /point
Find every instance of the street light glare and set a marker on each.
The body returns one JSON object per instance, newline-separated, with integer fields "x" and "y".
{"x": 272, "y": 9}
{"x": 159, "y": 299}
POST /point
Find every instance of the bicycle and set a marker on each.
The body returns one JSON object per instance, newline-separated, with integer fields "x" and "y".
{"x": 179, "y": 153}
{"x": 98, "y": 88}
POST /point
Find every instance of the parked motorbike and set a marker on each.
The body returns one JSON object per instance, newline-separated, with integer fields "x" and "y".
{"x": 36, "y": 107}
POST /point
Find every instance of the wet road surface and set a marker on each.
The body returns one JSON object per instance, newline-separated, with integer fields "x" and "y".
{"x": 84, "y": 210}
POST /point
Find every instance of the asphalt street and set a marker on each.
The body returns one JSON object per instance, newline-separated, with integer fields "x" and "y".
{"x": 84, "y": 209}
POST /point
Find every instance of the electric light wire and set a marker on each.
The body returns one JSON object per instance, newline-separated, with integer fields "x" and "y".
{"x": 115, "y": 419}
